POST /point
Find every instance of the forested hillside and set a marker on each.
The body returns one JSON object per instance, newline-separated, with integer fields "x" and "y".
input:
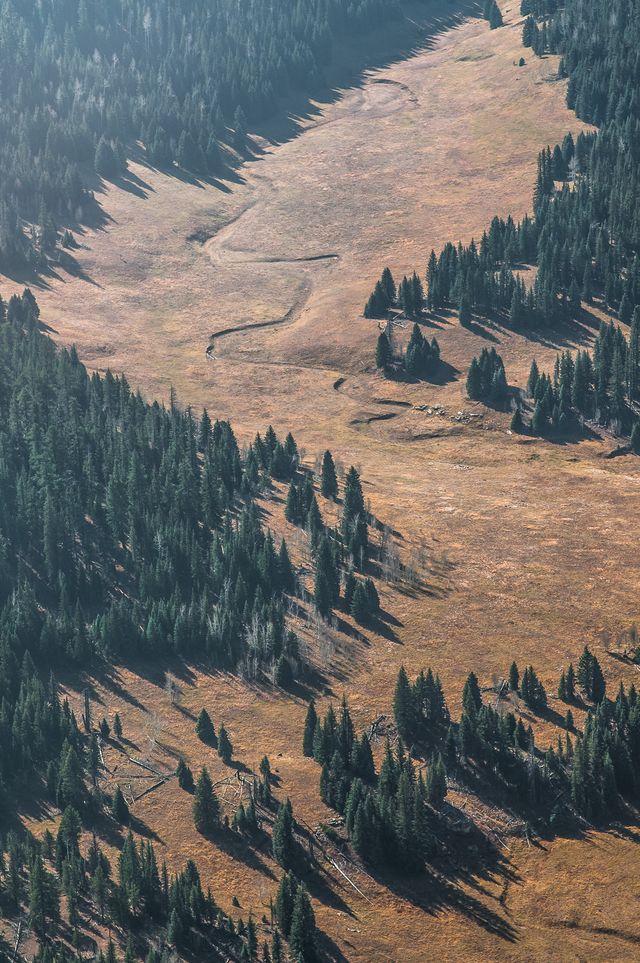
{"x": 173, "y": 600}
{"x": 133, "y": 531}
{"x": 80, "y": 80}
{"x": 584, "y": 234}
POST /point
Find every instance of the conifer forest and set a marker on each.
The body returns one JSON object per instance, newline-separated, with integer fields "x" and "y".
{"x": 319, "y": 462}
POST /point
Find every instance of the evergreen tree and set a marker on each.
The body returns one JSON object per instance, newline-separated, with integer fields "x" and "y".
{"x": 282, "y": 839}
{"x": 403, "y": 708}
{"x": 105, "y": 161}
{"x": 302, "y": 937}
{"x": 471, "y": 696}
{"x": 206, "y": 808}
{"x": 384, "y": 354}
{"x": 283, "y": 676}
{"x": 311, "y": 721}
{"x": 119, "y": 807}
{"x": 225, "y": 749}
{"x": 436, "y": 783}
{"x": 205, "y": 729}
{"x": 328, "y": 479}
{"x": 185, "y": 776}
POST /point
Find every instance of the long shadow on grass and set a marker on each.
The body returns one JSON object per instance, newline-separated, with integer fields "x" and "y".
{"x": 239, "y": 849}
{"x": 460, "y": 866}
{"x": 568, "y": 334}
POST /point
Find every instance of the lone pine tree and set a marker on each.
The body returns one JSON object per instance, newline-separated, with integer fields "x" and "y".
{"x": 205, "y": 729}
{"x": 282, "y": 839}
{"x": 206, "y": 808}
{"x": 119, "y": 807}
{"x": 328, "y": 477}
{"x": 225, "y": 748}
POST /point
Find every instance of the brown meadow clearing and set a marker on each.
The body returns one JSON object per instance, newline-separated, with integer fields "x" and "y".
{"x": 246, "y": 297}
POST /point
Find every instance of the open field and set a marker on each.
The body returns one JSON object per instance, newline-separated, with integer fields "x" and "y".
{"x": 530, "y": 549}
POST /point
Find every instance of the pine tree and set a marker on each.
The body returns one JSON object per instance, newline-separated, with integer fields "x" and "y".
{"x": 328, "y": 478}
{"x": 495, "y": 16}
{"x": 105, "y": 161}
{"x": 562, "y": 687}
{"x": 71, "y": 790}
{"x": 99, "y": 890}
{"x": 517, "y": 424}
{"x": 119, "y": 808}
{"x": 474, "y": 381}
{"x": 286, "y": 574}
{"x": 539, "y": 421}
{"x": 283, "y": 906}
{"x": 514, "y": 677}
{"x": 206, "y": 808}
{"x": 117, "y": 726}
{"x": 302, "y": 937}
{"x": 283, "y": 676}
{"x": 37, "y": 898}
{"x": 276, "y": 948}
{"x": 311, "y": 721}
{"x": 436, "y": 783}
{"x": 633, "y": 356}
{"x": 240, "y": 129}
{"x": 464, "y": 311}
{"x": 205, "y": 729}
{"x": 360, "y": 604}
{"x": 185, "y": 776}
{"x": 225, "y": 749}
{"x": 388, "y": 285}
{"x": 471, "y": 697}
{"x": 403, "y": 708}
{"x": 252, "y": 938}
{"x": 282, "y": 840}
{"x": 384, "y": 354}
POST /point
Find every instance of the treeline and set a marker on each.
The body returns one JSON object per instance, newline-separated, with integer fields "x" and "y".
{"x": 588, "y": 236}
{"x": 81, "y": 80}
{"x": 391, "y": 816}
{"x": 42, "y": 749}
{"x": 408, "y": 296}
{"x": 340, "y": 553}
{"x": 585, "y": 231}
{"x": 385, "y": 814}
{"x": 126, "y": 527}
{"x": 139, "y": 899}
{"x": 602, "y": 386}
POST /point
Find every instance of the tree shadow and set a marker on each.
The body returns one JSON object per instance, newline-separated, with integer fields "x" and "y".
{"x": 235, "y": 846}
{"x": 352, "y": 61}
{"x": 444, "y": 374}
{"x": 132, "y": 183}
{"x": 142, "y": 829}
{"x": 109, "y": 679}
{"x": 460, "y": 867}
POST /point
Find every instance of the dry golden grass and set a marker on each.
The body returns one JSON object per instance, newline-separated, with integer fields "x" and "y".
{"x": 530, "y": 548}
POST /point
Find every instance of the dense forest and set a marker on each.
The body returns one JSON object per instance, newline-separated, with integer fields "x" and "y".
{"x": 125, "y": 524}
{"x": 82, "y": 80}
{"x": 584, "y": 234}
{"x": 129, "y": 530}
{"x": 393, "y": 817}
